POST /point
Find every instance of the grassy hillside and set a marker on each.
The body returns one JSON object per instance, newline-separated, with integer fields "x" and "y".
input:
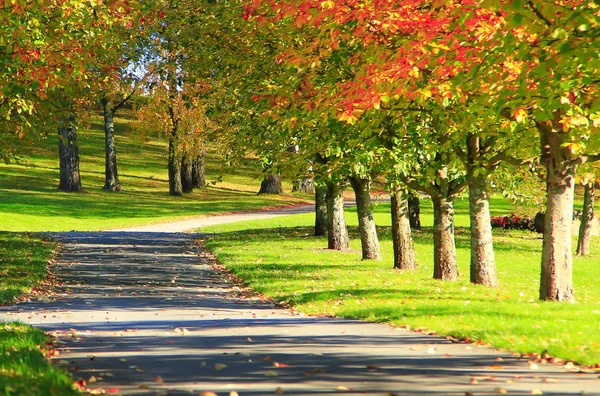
{"x": 31, "y": 202}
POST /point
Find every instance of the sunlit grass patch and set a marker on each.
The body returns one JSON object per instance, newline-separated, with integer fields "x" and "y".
{"x": 282, "y": 259}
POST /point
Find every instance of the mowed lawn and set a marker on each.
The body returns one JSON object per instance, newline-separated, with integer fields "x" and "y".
{"x": 24, "y": 370}
{"x": 31, "y": 201}
{"x": 282, "y": 259}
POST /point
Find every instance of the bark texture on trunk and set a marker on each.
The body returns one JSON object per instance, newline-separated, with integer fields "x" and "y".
{"x": 414, "y": 211}
{"x": 366, "y": 222}
{"x": 444, "y": 248}
{"x": 271, "y": 184}
{"x": 199, "y": 170}
{"x": 320, "y": 209}
{"x": 175, "y": 186}
{"x": 404, "y": 251}
{"x": 111, "y": 176}
{"x": 70, "y": 180}
{"x": 557, "y": 259}
{"x": 187, "y": 178}
{"x": 587, "y": 217}
{"x": 483, "y": 263}
{"x": 337, "y": 231}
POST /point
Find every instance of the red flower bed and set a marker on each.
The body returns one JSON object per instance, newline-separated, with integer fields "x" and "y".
{"x": 513, "y": 222}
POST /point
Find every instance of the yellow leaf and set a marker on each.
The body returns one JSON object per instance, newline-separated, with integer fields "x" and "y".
{"x": 219, "y": 366}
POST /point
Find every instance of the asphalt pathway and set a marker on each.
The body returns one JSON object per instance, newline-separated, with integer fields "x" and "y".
{"x": 148, "y": 313}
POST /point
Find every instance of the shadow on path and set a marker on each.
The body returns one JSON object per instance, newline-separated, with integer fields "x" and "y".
{"x": 146, "y": 313}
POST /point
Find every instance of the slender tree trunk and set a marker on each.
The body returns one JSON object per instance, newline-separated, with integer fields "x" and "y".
{"x": 445, "y": 266}
{"x": 337, "y": 231}
{"x": 199, "y": 170}
{"x": 414, "y": 211}
{"x": 175, "y": 186}
{"x": 366, "y": 222}
{"x": 483, "y": 263}
{"x": 305, "y": 185}
{"x": 320, "y": 209}
{"x": 557, "y": 260}
{"x": 187, "y": 182}
{"x": 111, "y": 176}
{"x": 68, "y": 148}
{"x": 587, "y": 217}
{"x": 404, "y": 251}
{"x": 271, "y": 184}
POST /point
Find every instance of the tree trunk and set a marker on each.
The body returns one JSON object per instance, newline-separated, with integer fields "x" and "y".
{"x": 414, "y": 211}
{"x": 404, "y": 251}
{"x": 320, "y": 209}
{"x": 305, "y": 185}
{"x": 366, "y": 222}
{"x": 111, "y": 176}
{"x": 199, "y": 170}
{"x": 271, "y": 184}
{"x": 337, "y": 232}
{"x": 445, "y": 266}
{"x": 587, "y": 217}
{"x": 483, "y": 263}
{"x": 69, "y": 157}
{"x": 557, "y": 260}
{"x": 175, "y": 186}
{"x": 187, "y": 182}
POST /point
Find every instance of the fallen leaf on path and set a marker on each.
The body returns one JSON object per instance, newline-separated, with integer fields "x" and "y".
{"x": 536, "y": 392}
{"x": 220, "y": 366}
{"x": 113, "y": 390}
{"x": 185, "y": 332}
{"x": 92, "y": 379}
{"x": 62, "y": 362}
{"x": 533, "y": 366}
{"x": 250, "y": 339}
{"x": 501, "y": 391}
{"x": 208, "y": 393}
{"x": 279, "y": 391}
{"x": 342, "y": 388}
{"x": 473, "y": 381}
{"x": 144, "y": 386}
{"x": 233, "y": 393}
{"x": 276, "y": 364}
{"x": 495, "y": 367}
{"x": 431, "y": 351}
{"x": 570, "y": 366}
{"x": 549, "y": 380}
{"x": 158, "y": 379}
{"x": 271, "y": 373}
{"x": 372, "y": 367}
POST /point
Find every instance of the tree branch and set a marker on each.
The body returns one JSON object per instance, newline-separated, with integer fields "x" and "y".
{"x": 538, "y": 13}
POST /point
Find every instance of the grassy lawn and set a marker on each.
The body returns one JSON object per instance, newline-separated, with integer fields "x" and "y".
{"x": 282, "y": 259}
{"x": 24, "y": 370}
{"x": 31, "y": 202}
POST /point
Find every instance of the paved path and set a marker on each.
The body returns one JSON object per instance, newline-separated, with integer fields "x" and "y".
{"x": 199, "y": 222}
{"x": 146, "y": 313}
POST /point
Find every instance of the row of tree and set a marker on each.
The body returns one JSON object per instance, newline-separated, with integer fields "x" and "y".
{"x": 433, "y": 97}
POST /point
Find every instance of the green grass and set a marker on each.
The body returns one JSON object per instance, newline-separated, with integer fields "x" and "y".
{"x": 282, "y": 259}
{"x": 23, "y": 263}
{"x": 31, "y": 202}
{"x": 24, "y": 370}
